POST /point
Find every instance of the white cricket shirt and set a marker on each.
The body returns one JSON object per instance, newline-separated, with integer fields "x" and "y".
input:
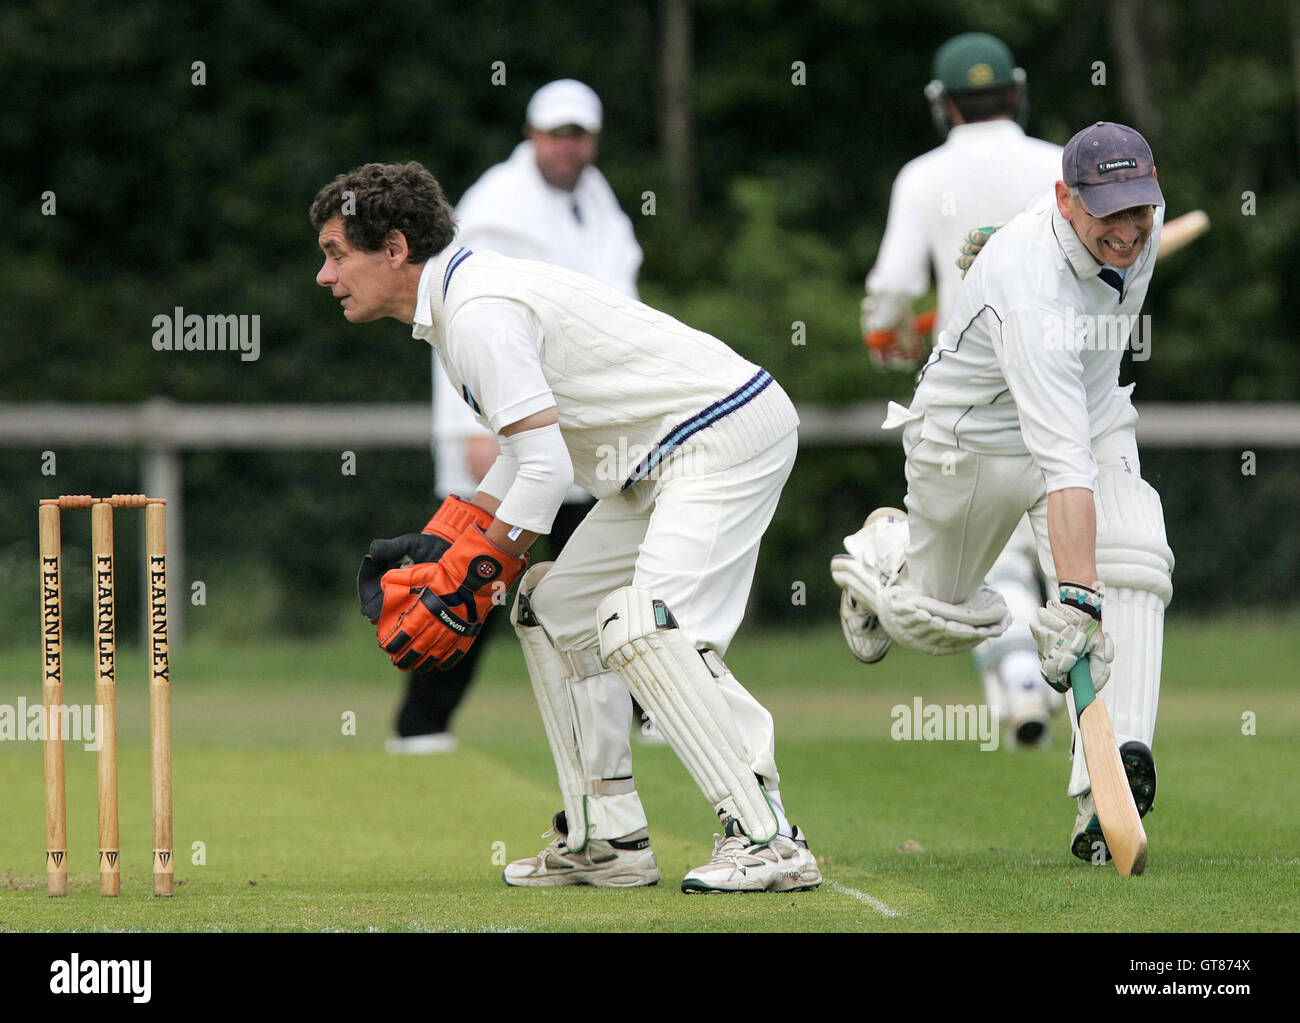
{"x": 1029, "y": 359}
{"x": 513, "y": 210}
{"x": 636, "y": 391}
{"x": 985, "y": 173}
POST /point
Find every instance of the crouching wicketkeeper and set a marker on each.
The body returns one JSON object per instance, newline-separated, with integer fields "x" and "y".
{"x": 685, "y": 444}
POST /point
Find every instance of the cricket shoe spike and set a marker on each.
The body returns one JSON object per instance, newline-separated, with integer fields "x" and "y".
{"x": 604, "y": 863}
{"x": 1086, "y": 840}
{"x": 741, "y": 865}
{"x": 867, "y": 639}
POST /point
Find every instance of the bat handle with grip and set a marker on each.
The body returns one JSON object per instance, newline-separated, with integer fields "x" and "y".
{"x": 1081, "y": 683}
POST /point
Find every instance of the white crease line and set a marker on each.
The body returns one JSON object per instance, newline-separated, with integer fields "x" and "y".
{"x": 870, "y": 900}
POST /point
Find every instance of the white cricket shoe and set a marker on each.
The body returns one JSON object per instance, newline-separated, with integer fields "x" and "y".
{"x": 604, "y": 863}
{"x": 866, "y": 637}
{"x": 741, "y": 865}
{"x": 434, "y": 742}
{"x": 1087, "y": 840}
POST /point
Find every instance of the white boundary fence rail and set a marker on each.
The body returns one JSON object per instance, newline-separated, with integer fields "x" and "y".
{"x": 161, "y": 430}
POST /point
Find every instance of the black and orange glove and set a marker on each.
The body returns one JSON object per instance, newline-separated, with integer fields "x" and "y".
{"x": 432, "y": 613}
{"x": 452, "y": 518}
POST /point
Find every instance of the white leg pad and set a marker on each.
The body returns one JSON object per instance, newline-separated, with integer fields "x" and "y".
{"x": 1015, "y": 576}
{"x": 1009, "y": 663}
{"x": 640, "y": 640}
{"x": 1135, "y": 565}
{"x": 873, "y": 570}
{"x": 564, "y": 691}
{"x": 935, "y": 626}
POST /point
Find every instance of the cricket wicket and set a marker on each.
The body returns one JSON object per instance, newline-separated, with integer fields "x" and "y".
{"x": 105, "y": 655}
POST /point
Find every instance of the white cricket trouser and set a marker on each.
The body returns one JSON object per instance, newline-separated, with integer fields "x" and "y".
{"x": 692, "y": 541}
{"x": 961, "y": 509}
{"x": 962, "y": 506}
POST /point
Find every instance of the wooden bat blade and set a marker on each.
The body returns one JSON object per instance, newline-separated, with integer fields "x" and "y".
{"x": 1125, "y": 837}
{"x": 1120, "y": 824}
{"x": 1182, "y": 230}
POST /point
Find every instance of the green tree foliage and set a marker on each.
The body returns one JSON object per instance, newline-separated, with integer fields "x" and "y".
{"x": 171, "y": 193}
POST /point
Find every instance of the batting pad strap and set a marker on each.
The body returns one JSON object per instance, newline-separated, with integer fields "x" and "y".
{"x": 640, "y": 640}
{"x": 717, "y": 667}
{"x": 582, "y": 663}
{"x": 611, "y": 786}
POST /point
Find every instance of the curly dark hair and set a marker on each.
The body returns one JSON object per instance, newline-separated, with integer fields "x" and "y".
{"x": 388, "y": 197}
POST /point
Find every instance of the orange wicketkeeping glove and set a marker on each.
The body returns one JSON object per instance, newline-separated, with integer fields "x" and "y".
{"x": 904, "y": 347}
{"x": 433, "y": 613}
{"x": 451, "y": 519}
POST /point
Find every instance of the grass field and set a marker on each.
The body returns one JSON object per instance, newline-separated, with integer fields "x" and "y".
{"x": 286, "y": 823}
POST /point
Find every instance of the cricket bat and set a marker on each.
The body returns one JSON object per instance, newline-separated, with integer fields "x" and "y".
{"x": 1182, "y": 230}
{"x": 1125, "y": 837}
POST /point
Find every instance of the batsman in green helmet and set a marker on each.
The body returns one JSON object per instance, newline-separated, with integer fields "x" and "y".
{"x": 976, "y": 73}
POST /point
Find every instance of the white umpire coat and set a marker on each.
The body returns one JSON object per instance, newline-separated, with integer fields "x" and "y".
{"x": 513, "y": 210}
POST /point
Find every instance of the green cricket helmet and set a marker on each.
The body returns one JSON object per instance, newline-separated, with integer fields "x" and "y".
{"x": 973, "y": 63}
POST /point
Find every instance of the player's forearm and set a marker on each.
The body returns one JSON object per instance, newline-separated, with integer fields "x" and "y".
{"x": 1072, "y": 529}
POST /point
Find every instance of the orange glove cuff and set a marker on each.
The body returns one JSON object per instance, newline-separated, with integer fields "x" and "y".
{"x": 454, "y": 516}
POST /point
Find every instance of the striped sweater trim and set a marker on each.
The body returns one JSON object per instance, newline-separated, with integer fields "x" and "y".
{"x": 678, "y": 436}
{"x": 456, "y": 260}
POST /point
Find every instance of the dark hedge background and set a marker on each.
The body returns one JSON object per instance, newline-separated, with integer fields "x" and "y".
{"x": 170, "y": 193}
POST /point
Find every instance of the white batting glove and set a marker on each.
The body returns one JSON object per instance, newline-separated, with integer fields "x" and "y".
{"x": 972, "y": 245}
{"x": 1069, "y": 628}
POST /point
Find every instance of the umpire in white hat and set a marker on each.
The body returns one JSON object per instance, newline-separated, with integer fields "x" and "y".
{"x": 549, "y": 202}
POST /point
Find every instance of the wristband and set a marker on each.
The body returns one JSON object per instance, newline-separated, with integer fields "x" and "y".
{"x": 1082, "y": 598}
